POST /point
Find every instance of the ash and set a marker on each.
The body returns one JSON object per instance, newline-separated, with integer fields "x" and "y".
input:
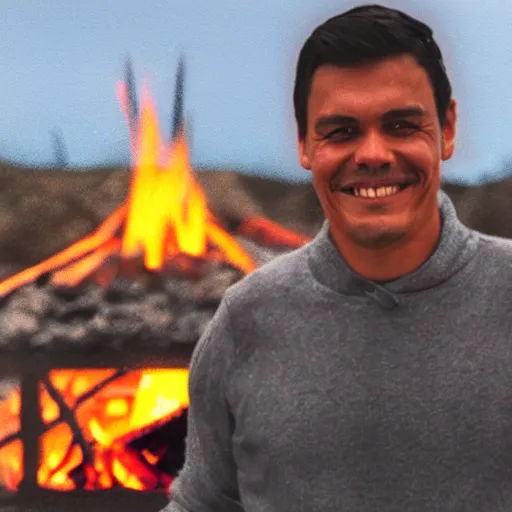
{"x": 129, "y": 313}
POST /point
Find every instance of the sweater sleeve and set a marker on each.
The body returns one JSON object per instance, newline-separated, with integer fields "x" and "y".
{"x": 208, "y": 480}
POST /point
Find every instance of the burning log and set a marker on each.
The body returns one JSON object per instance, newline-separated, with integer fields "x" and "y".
{"x": 103, "y": 439}
{"x": 68, "y": 416}
{"x": 84, "y": 247}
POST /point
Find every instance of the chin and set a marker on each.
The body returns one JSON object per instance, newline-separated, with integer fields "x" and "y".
{"x": 376, "y": 237}
{"x": 371, "y": 231}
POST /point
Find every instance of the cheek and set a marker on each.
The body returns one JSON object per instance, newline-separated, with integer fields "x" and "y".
{"x": 423, "y": 156}
{"x": 326, "y": 160}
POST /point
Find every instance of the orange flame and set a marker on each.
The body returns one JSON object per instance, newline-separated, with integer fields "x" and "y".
{"x": 168, "y": 214}
{"x": 109, "y": 420}
{"x": 165, "y": 217}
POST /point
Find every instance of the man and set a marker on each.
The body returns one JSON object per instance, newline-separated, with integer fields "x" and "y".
{"x": 372, "y": 369}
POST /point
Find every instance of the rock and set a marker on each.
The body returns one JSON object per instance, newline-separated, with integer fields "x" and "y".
{"x": 124, "y": 289}
{"x": 130, "y": 314}
{"x": 17, "y": 328}
{"x": 190, "y": 325}
{"x": 31, "y": 298}
{"x": 60, "y": 336}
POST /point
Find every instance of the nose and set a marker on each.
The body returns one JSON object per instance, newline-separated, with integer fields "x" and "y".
{"x": 373, "y": 152}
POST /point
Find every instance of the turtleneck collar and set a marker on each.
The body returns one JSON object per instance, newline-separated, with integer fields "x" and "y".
{"x": 457, "y": 245}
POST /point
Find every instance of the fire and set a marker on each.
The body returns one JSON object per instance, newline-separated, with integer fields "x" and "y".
{"x": 164, "y": 218}
{"x": 100, "y": 425}
{"x": 168, "y": 215}
{"x": 110, "y": 412}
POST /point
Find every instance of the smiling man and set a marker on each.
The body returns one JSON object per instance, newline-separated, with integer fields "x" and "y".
{"x": 374, "y": 138}
{"x": 370, "y": 370}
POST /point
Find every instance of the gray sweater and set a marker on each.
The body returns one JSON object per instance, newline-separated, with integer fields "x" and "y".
{"x": 314, "y": 389}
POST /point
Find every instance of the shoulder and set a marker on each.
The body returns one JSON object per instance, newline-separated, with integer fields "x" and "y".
{"x": 273, "y": 280}
{"x": 497, "y": 248}
{"x": 493, "y": 264}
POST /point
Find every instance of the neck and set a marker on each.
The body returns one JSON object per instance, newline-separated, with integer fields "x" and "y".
{"x": 393, "y": 261}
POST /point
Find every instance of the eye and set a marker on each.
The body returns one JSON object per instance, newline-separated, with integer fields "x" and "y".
{"x": 401, "y": 127}
{"x": 342, "y": 133}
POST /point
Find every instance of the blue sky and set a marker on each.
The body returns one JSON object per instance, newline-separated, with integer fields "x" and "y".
{"x": 60, "y": 61}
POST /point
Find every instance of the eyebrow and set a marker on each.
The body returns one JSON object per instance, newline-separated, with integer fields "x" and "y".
{"x": 403, "y": 112}
{"x": 337, "y": 119}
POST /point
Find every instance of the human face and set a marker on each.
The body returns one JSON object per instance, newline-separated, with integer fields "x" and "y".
{"x": 374, "y": 146}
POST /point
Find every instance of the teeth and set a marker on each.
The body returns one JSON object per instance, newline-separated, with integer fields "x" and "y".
{"x": 376, "y": 192}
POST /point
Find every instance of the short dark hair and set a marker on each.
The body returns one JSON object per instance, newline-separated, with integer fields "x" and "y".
{"x": 367, "y": 34}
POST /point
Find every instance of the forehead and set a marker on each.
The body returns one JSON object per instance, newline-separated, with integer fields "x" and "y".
{"x": 370, "y": 89}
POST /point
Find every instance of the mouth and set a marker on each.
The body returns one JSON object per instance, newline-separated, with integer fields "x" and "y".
{"x": 376, "y": 192}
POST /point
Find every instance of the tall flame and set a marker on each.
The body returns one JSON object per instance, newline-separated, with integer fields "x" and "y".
{"x": 165, "y": 217}
{"x": 168, "y": 214}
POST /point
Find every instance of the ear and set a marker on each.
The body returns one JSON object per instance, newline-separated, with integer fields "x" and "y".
{"x": 448, "y": 131}
{"x": 304, "y": 159}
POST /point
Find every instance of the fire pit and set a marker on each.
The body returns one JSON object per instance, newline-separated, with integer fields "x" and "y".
{"x": 102, "y": 430}
{"x": 95, "y": 341}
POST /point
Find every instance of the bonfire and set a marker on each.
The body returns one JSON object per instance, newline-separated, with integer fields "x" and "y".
{"x": 107, "y": 428}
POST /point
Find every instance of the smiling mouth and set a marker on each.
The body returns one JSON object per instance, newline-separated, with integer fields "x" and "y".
{"x": 375, "y": 192}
